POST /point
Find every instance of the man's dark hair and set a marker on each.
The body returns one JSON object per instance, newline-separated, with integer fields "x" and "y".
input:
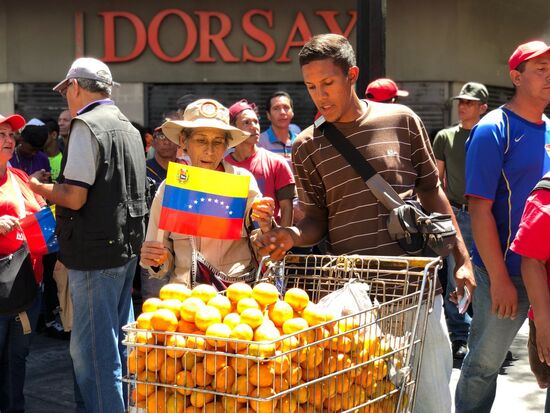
{"x": 521, "y": 67}
{"x": 276, "y": 95}
{"x": 328, "y": 46}
{"x": 51, "y": 124}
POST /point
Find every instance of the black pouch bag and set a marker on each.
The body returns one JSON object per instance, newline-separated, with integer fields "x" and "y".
{"x": 17, "y": 282}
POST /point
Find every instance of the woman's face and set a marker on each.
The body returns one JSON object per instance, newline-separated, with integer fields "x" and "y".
{"x": 7, "y": 143}
{"x": 205, "y": 147}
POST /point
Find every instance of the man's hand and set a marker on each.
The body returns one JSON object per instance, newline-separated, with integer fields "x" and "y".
{"x": 464, "y": 278}
{"x": 275, "y": 243}
{"x": 40, "y": 176}
{"x": 7, "y": 224}
{"x": 504, "y": 298}
{"x": 542, "y": 324}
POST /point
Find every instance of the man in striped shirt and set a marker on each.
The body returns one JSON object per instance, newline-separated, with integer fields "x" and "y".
{"x": 338, "y": 204}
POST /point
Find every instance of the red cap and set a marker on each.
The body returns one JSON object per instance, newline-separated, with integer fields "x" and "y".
{"x": 16, "y": 121}
{"x": 238, "y": 107}
{"x": 381, "y": 90}
{"x": 527, "y": 51}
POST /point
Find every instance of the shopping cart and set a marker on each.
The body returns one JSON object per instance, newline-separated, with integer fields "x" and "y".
{"x": 367, "y": 361}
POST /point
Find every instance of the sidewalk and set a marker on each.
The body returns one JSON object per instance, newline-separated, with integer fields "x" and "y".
{"x": 49, "y": 385}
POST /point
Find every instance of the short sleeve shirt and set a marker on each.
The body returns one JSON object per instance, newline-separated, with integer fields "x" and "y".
{"x": 532, "y": 237}
{"x": 506, "y": 156}
{"x": 269, "y": 141}
{"x": 82, "y": 156}
{"x": 449, "y": 148}
{"x": 393, "y": 139}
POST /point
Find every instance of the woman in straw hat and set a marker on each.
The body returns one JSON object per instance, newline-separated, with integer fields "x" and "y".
{"x": 205, "y": 133}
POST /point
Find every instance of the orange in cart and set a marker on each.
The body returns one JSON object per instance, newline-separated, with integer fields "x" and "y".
{"x": 214, "y": 362}
{"x": 173, "y": 305}
{"x": 314, "y": 315}
{"x": 144, "y": 337}
{"x": 169, "y": 369}
{"x": 237, "y": 291}
{"x": 155, "y": 358}
{"x": 175, "y": 341}
{"x": 218, "y": 330}
{"x": 136, "y": 362}
{"x": 222, "y": 303}
{"x": 252, "y": 316}
{"x": 204, "y": 292}
{"x": 294, "y": 325}
{"x": 175, "y": 403}
{"x": 174, "y": 290}
{"x": 265, "y": 293}
{"x": 156, "y": 402}
{"x": 146, "y": 376}
{"x": 224, "y": 379}
{"x": 189, "y": 307}
{"x": 199, "y": 399}
{"x": 164, "y": 320}
{"x": 185, "y": 326}
{"x": 246, "y": 303}
{"x": 263, "y": 406}
{"x": 241, "y": 332}
{"x": 143, "y": 321}
{"x": 279, "y": 312}
{"x": 297, "y": 298}
{"x": 261, "y": 375}
{"x": 151, "y": 304}
{"x": 232, "y": 320}
{"x": 201, "y": 377}
{"x": 206, "y": 316}
{"x": 213, "y": 407}
{"x": 287, "y": 404}
{"x": 184, "y": 378}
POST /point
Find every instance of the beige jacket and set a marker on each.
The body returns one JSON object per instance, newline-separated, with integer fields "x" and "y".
{"x": 232, "y": 257}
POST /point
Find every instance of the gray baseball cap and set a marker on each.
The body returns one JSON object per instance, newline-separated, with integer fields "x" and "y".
{"x": 473, "y": 91}
{"x": 86, "y": 68}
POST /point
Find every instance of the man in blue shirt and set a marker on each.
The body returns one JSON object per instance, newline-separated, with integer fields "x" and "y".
{"x": 506, "y": 156}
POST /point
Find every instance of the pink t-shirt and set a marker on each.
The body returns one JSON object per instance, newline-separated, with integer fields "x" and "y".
{"x": 272, "y": 173}
{"x": 532, "y": 237}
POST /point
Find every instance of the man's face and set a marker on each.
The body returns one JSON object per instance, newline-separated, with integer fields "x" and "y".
{"x": 164, "y": 147}
{"x": 534, "y": 81}
{"x": 330, "y": 88}
{"x": 64, "y": 122}
{"x": 247, "y": 121}
{"x": 26, "y": 149}
{"x": 7, "y": 142}
{"x": 470, "y": 110}
{"x": 281, "y": 113}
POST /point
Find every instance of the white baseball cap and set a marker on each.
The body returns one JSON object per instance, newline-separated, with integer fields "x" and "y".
{"x": 86, "y": 68}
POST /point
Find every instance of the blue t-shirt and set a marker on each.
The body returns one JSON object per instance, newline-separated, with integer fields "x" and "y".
{"x": 269, "y": 141}
{"x": 506, "y": 156}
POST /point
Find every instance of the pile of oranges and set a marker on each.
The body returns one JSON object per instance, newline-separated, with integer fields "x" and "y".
{"x": 246, "y": 350}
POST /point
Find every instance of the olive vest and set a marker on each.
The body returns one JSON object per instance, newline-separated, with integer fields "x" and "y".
{"x": 109, "y": 228}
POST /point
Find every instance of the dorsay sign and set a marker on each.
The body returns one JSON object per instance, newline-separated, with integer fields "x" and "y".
{"x": 206, "y": 30}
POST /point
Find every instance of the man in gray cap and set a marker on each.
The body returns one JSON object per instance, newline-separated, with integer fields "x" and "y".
{"x": 100, "y": 226}
{"x": 450, "y": 153}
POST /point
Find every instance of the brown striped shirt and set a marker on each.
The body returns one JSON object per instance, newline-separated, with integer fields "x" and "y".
{"x": 393, "y": 139}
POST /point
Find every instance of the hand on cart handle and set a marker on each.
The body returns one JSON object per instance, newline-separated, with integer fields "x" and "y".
{"x": 276, "y": 242}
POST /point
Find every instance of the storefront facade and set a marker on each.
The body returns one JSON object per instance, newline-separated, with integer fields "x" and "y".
{"x": 161, "y": 50}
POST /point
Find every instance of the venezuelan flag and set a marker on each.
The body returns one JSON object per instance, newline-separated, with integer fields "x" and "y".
{"x": 203, "y": 203}
{"x": 39, "y": 229}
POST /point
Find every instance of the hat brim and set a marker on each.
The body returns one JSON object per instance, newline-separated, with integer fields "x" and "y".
{"x": 172, "y": 130}
{"x": 536, "y": 54}
{"x": 402, "y": 93}
{"x": 15, "y": 121}
{"x": 466, "y": 97}
{"x": 61, "y": 85}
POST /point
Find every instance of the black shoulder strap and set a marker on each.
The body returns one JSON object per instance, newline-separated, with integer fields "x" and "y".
{"x": 544, "y": 183}
{"x": 378, "y": 185}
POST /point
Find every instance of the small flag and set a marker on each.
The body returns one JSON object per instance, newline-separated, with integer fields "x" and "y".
{"x": 39, "y": 229}
{"x": 203, "y": 203}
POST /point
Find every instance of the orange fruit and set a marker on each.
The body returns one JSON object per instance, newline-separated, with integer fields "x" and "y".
{"x": 217, "y": 330}
{"x": 151, "y": 304}
{"x": 189, "y": 307}
{"x": 314, "y": 315}
{"x": 155, "y": 359}
{"x": 173, "y": 305}
{"x": 263, "y": 406}
{"x": 199, "y": 399}
{"x": 143, "y": 321}
{"x": 204, "y": 291}
{"x": 313, "y": 357}
{"x": 246, "y": 303}
{"x": 242, "y": 387}
{"x": 235, "y": 292}
{"x": 147, "y": 339}
{"x": 189, "y": 359}
{"x": 293, "y": 375}
{"x": 195, "y": 342}
{"x": 252, "y": 316}
{"x": 222, "y": 303}
{"x": 261, "y": 375}
{"x": 281, "y": 363}
{"x": 297, "y": 298}
{"x": 265, "y": 293}
{"x": 164, "y": 320}
{"x": 288, "y": 344}
{"x": 241, "y": 332}
{"x": 156, "y": 402}
{"x": 230, "y": 405}
{"x": 279, "y": 312}
{"x": 175, "y": 403}
{"x": 184, "y": 378}
{"x": 224, "y": 379}
{"x": 169, "y": 369}
{"x": 266, "y": 332}
{"x": 240, "y": 364}
{"x": 174, "y": 290}
{"x": 175, "y": 341}
{"x": 214, "y": 362}
{"x": 213, "y": 407}
{"x": 232, "y": 320}
{"x": 206, "y": 316}
{"x": 201, "y": 377}
{"x": 185, "y": 326}
{"x": 143, "y": 389}
{"x": 136, "y": 362}
{"x": 288, "y": 404}
{"x": 294, "y": 325}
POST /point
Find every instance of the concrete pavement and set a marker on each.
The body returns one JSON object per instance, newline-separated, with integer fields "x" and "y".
{"x": 49, "y": 385}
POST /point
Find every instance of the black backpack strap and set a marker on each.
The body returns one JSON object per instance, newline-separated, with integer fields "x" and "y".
{"x": 544, "y": 183}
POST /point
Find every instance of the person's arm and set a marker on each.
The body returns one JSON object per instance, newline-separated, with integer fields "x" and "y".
{"x": 435, "y": 201}
{"x": 66, "y": 195}
{"x": 441, "y": 170}
{"x": 534, "y": 276}
{"x": 287, "y": 212}
{"x": 485, "y": 233}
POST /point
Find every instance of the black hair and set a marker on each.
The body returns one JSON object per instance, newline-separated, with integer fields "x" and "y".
{"x": 275, "y": 95}
{"x": 328, "y": 46}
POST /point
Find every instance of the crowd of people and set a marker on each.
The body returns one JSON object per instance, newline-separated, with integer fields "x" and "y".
{"x": 107, "y": 181}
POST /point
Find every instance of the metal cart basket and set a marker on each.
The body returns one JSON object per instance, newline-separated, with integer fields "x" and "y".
{"x": 367, "y": 361}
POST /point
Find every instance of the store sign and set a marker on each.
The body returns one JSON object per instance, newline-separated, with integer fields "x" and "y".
{"x": 202, "y": 36}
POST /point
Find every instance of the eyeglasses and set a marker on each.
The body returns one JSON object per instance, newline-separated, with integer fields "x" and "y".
{"x": 64, "y": 91}
{"x": 5, "y": 135}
